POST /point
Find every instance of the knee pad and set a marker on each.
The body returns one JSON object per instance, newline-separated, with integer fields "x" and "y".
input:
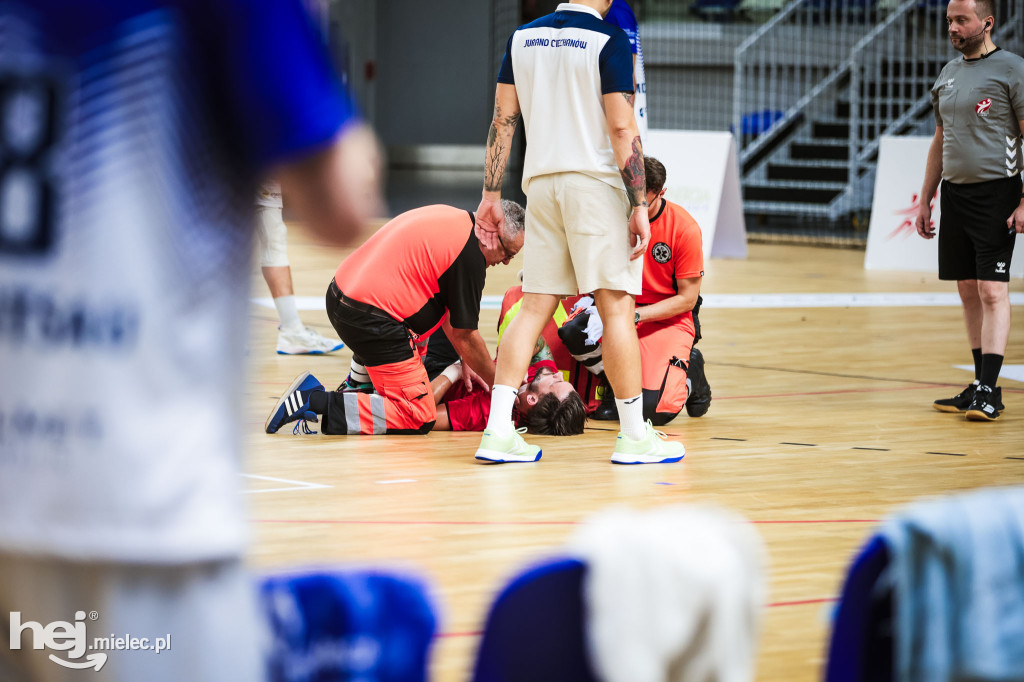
{"x": 273, "y": 238}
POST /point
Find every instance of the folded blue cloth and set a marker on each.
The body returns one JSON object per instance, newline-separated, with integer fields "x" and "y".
{"x": 957, "y": 566}
{"x": 347, "y": 626}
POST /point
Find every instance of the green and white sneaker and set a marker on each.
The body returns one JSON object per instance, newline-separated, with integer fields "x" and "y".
{"x": 653, "y": 449}
{"x": 510, "y": 448}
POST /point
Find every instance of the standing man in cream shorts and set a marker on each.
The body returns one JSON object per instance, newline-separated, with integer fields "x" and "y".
{"x": 569, "y": 75}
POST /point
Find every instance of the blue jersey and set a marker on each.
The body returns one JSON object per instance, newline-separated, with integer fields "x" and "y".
{"x": 133, "y": 133}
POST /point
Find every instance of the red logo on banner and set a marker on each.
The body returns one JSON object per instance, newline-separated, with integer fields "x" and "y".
{"x": 907, "y": 227}
{"x": 982, "y": 107}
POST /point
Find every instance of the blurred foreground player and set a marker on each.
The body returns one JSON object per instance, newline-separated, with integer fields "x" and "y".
{"x": 133, "y": 136}
{"x": 423, "y": 270}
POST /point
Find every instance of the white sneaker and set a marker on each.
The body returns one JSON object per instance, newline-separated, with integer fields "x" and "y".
{"x": 509, "y": 448}
{"x": 306, "y": 341}
{"x": 653, "y": 449}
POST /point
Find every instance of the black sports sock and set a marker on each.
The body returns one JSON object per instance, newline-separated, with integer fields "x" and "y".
{"x": 318, "y": 401}
{"x": 976, "y": 352}
{"x": 990, "y": 366}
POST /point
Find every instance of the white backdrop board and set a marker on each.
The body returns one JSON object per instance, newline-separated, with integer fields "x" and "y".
{"x": 703, "y": 177}
{"x": 893, "y": 243}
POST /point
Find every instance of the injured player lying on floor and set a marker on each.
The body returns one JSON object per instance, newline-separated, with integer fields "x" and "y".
{"x": 546, "y": 404}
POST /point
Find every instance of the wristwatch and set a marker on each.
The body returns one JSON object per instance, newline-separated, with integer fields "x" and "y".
{"x": 636, "y": 318}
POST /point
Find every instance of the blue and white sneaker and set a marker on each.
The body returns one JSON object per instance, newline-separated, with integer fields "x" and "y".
{"x": 294, "y": 404}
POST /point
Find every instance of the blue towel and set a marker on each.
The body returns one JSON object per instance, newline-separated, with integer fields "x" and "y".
{"x": 958, "y": 575}
{"x": 347, "y": 626}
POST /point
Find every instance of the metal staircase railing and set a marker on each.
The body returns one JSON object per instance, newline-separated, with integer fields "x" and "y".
{"x": 791, "y": 62}
{"x": 839, "y": 73}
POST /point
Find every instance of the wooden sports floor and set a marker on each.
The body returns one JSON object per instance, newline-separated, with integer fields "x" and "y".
{"x": 821, "y": 424}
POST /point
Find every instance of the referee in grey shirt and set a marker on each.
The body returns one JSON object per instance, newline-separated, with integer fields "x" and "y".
{"x": 978, "y": 101}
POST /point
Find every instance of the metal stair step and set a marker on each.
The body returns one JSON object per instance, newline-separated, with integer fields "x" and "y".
{"x": 887, "y": 109}
{"x": 787, "y": 209}
{"x": 808, "y": 172}
{"x": 789, "y": 194}
{"x": 822, "y": 149}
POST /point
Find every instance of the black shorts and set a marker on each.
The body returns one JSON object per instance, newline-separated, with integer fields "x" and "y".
{"x": 440, "y": 354}
{"x": 974, "y": 242}
{"x": 374, "y": 337}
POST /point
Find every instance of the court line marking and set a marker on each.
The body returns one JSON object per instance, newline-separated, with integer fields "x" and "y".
{"x": 400, "y": 522}
{"x": 798, "y": 602}
{"x": 841, "y": 375}
{"x": 296, "y": 485}
{"x": 901, "y": 299}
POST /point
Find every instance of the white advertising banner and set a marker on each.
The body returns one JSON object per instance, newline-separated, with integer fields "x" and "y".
{"x": 893, "y": 243}
{"x": 703, "y": 177}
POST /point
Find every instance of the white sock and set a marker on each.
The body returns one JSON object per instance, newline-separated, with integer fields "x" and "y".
{"x": 358, "y": 373}
{"x": 499, "y": 421}
{"x": 288, "y": 313}
{"x": 631, "y": 417}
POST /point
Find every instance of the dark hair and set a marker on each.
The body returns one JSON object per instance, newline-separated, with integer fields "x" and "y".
{"x": 554, "y": 417}
{"x": 654, "y": 174}
{"x": 985, "y": 8}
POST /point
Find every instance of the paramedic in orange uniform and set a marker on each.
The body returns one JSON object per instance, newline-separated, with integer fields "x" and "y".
{"x": 423, "y": 270}
{"x": 673, "y": 269}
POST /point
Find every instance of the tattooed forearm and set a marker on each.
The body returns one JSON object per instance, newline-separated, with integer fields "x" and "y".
{"x": 494, "y": 165}
{"x": 633, "y": 176}
{"x": 499, "y": 139}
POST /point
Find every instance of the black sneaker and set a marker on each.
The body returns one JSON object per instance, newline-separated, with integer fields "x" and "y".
{"x": 986, "y": 405}
{"x": 606, "y": 411}
{"x": 699, "y": 400}
{"x": 350, "y": 385}
{"x": 294, "y": 405}
{"x": 958, "y": 403}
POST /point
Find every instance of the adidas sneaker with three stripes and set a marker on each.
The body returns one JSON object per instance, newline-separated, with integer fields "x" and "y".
{"x": 294, "y": 404}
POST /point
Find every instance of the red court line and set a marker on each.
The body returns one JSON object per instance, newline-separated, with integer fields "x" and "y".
{"x": 845, "y": 390}
{"x": 328, "y": 521}
{"x": 821, "y": 521}
{"x": 800, "y": 602}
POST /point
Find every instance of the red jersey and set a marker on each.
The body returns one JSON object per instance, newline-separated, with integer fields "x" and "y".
{"x": 510, "y": 304}
{"x": 469, "y": 412}
{"x": 676, "y": 252}
{"x": 419, "y": 265}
